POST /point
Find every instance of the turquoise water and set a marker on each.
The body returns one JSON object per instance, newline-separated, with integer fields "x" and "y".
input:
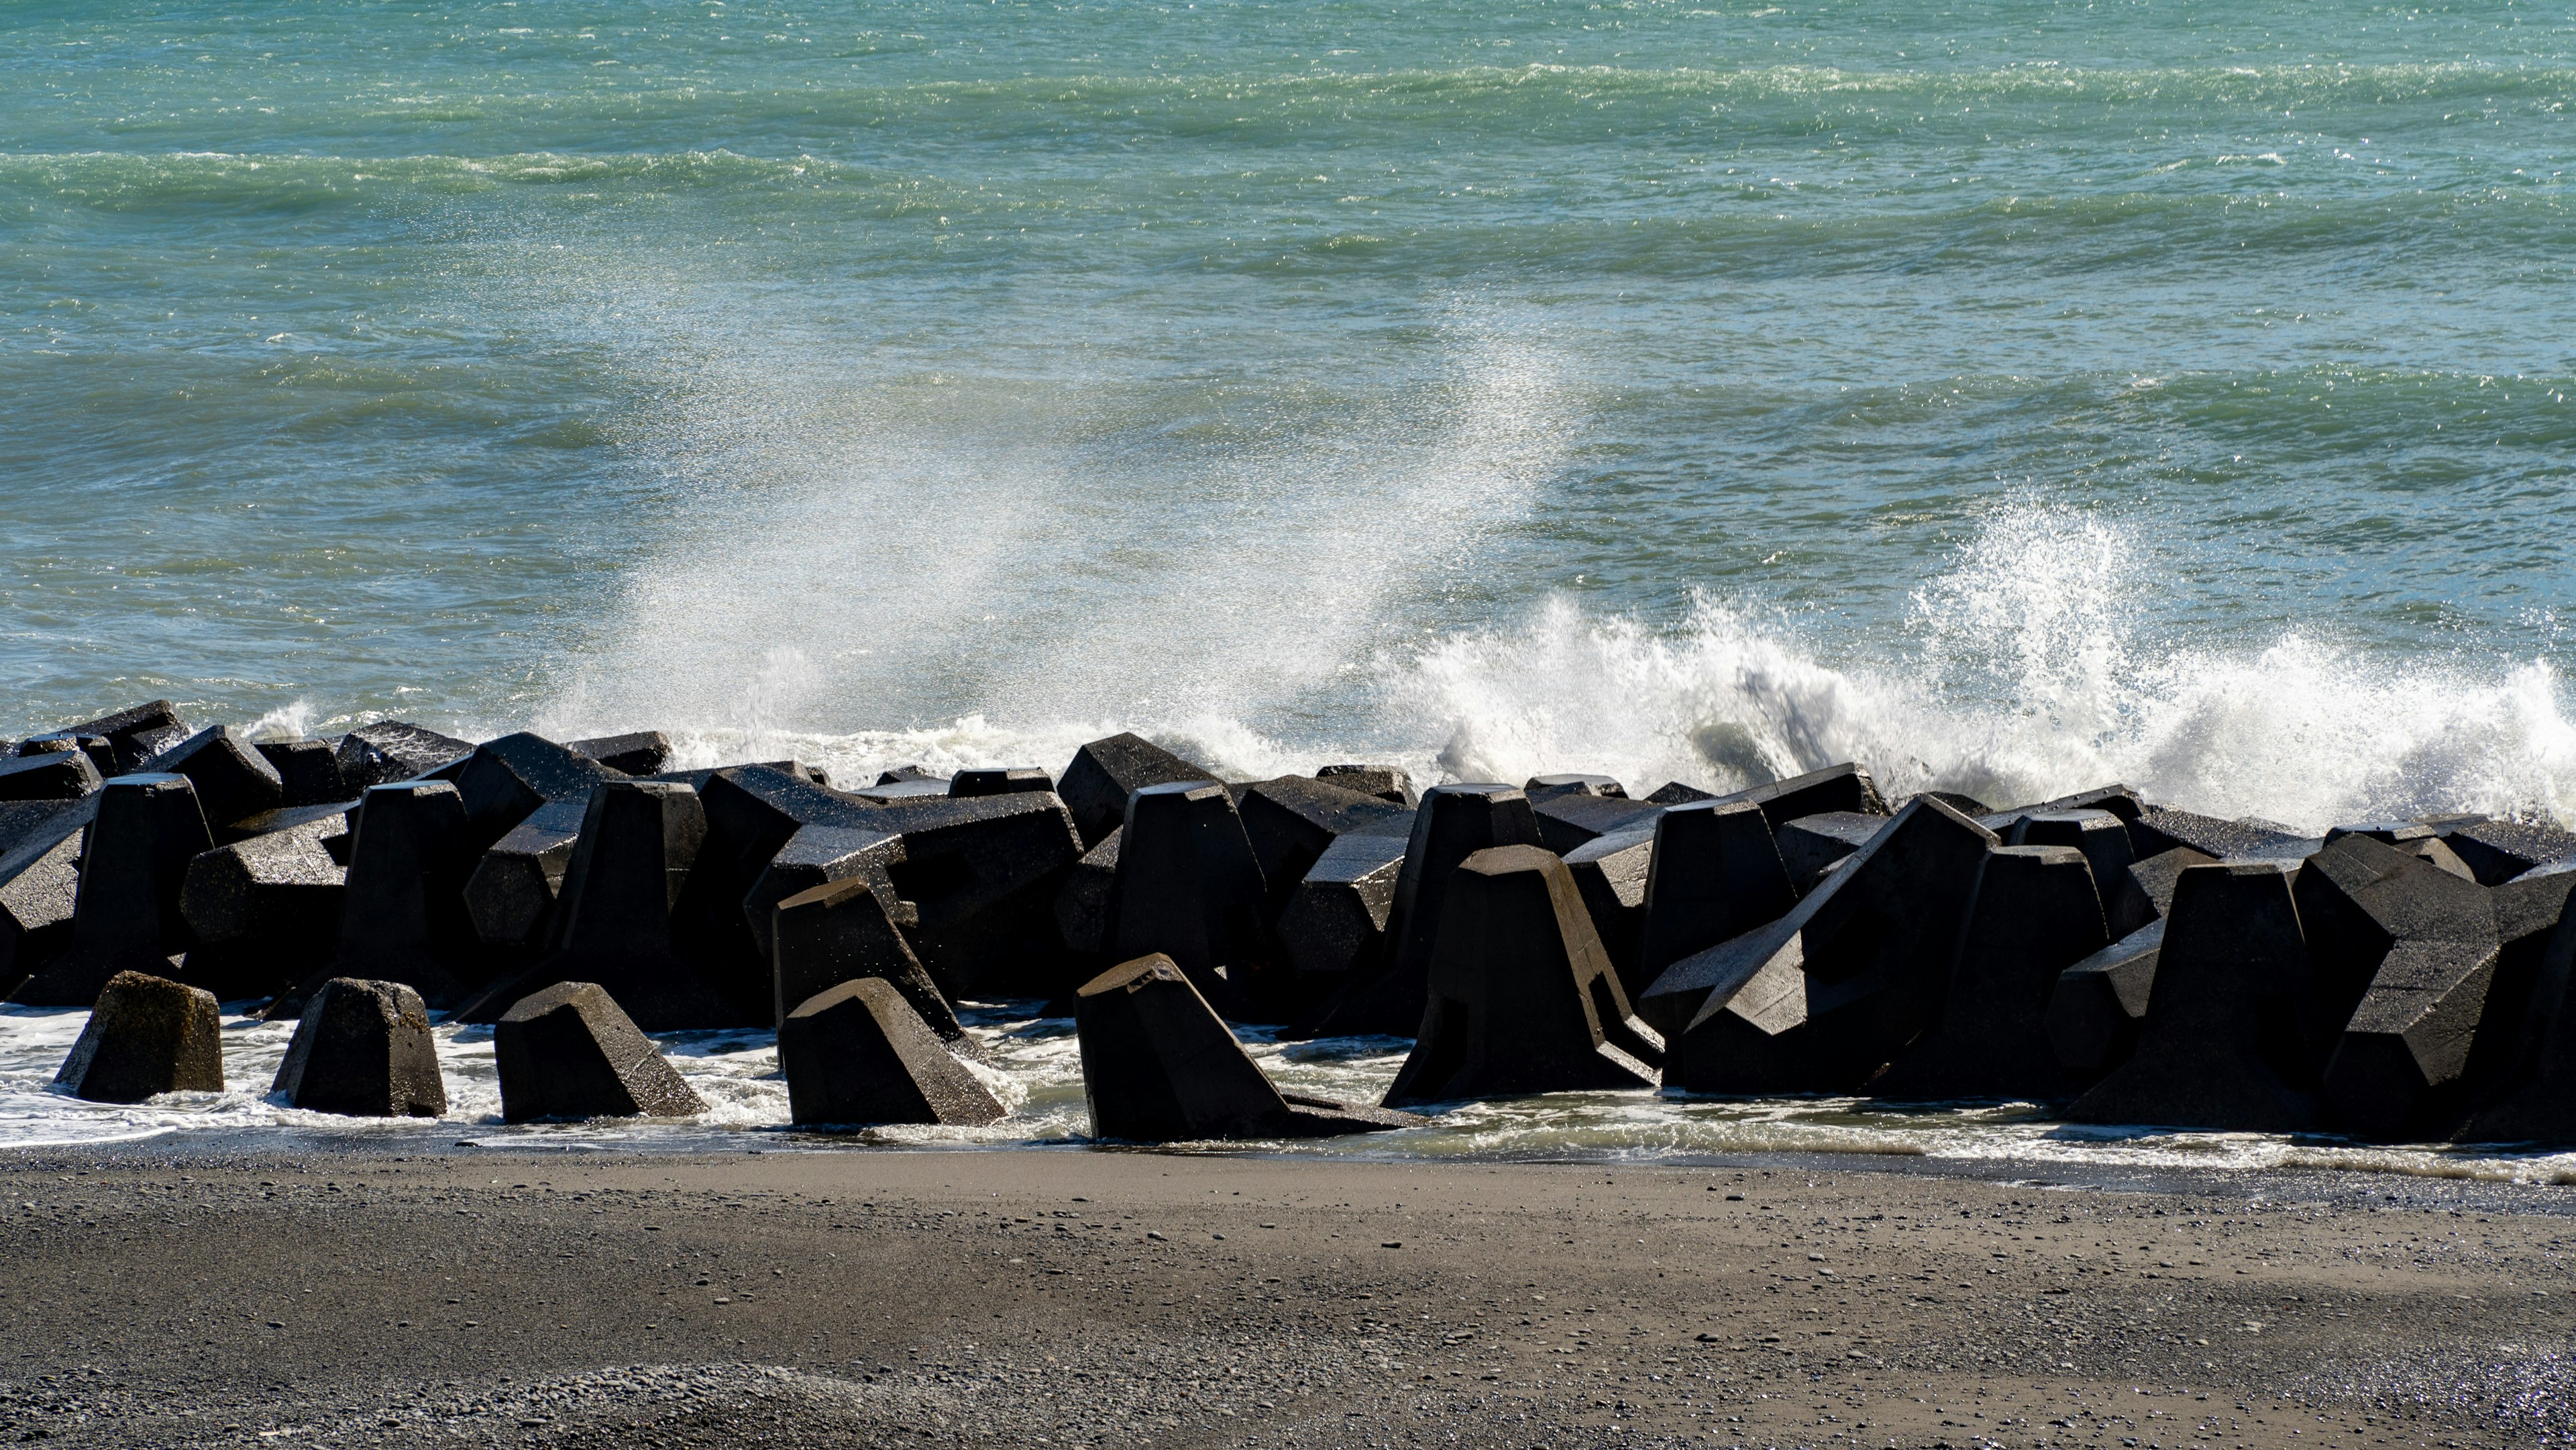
{"x": 2014, "y": 396}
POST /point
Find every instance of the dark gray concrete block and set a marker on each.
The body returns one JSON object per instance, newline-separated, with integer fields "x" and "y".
{"x": 1523, "y": 999}
{"x": 1811, "y": 845}
{"x": 1674, "y": 793}
{"x": 569, "y": 1051}
{"x": 640, "y": 752}
{"x": 858, "y": 1054}
{"x": 146, "y": 1035}
{"x": 752, "y": 812}
{"x": 511, "y": 895}
{"x": 132, "y": 736}
{"x": 2119, "y": 800}
{"x": 1334, "y": 929}
{"x": 2404, "y": 1052}
{"x": 1610, "y": 874}
{"x": 1547, "y": 787}
{"x": 834, "y": 933}
{"x": 403, "y": 918}
{"x": 232, "y": 779}
{"x": 63, "y": 775}
{"x": 2145, "y": 890}
{"x": 2035, "y": 915}
{"x": 1386, "y": 782}
{"x": 983, "y": 873}
{"x": 2157, "y": 832}
{"x": 2100, "y": 835}
{"x": 2497, "y": 851}
{"x": 2094, "y": 1013}
{"x": 1569, "y": 818}
{"x": 308, "y": 772}
{"x": 823, "y": 856}
{"x": 1082, "y": 903}
{"x": 2223, "y": 1044}
{"x": 390, "y": 751}
{"x": 1001, "y": 780}
{"x": 264, "y": 911}
{"x": 1822, "y": 998}
{"x": 40, "y": 843}
{"x": 1105, "y": 772}
{"x": 638, "y": 841}
{"x": 1835, "y": 788}
{"x": 1715, "y": 875}
{"x": 910, "y": 782}
{"x": 363, "y": 1049}
{"x": 504, "y": 782}
{"x": 1964, "y": 804}
{"x": 2358, "y": 899}
{"x": 1292, "y": 820}
{"x": 102, "y": 755}
{"x": 134, "y": 862}
{"x": 1189, "y": 888}
{"x": 1159, "y": 1066}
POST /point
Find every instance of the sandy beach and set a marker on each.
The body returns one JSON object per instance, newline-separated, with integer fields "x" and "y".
{"x": 176, "y": 1295}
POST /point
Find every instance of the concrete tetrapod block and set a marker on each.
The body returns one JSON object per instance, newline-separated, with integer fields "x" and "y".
{"x": 2100, "y": 835}
{"x": 134, "y": 862}
{"x": 2397, "y": 1071}
{"x": 1189, "y": 888}
{"x": 567, "y": 1051}
{"x": 638, "y": 839}
{"x": 1292, "y": 820}
{"x": 1001, "y": 780}
{"x": 1523, "y": 998}
{"x": 403, "y": 918}
{"x": 1547, "y": 787}
{"x": 308, "y": 772}
{"x": 1569, "y": 818}
{"x": 858, "y": 1054}
{"x": 2119, "y": 800}
{"x": 62, "y": 775}
{"x": 639, "y": 752}
{"x": 40, "y": 846}
{"x": 2143, "y": 893}
{"x": 2498, "y": 851}
{"x": 2358, "y": 899}
{"x": 1823, "y": 997}
{"x": 910, "y": 782}
{"x": 511, "y": 895}
{"x": 1811, "y": 845}
{"x": 146, "y": 1035}
{"x": 1610, "y": 874}
{"x": 835, "y": 933}
{"x": 2415, "y": 838}
{"x": 2093, "y": 1014}
{"x": 1716, "y": 874}
{"x": 2035, "y": 915}
{"x": 823, "y": 856}
{"x": 504, "y": 781}
{"x": 1845, "y": 787}
{"x": 390, "y": 751}
{"x": 2220, "y": 1046}
{"x": 1674, "y": 793}
{"x": 1082, "y": 902}
{"x": 752, "y": 812}
{"x": 2157, "y": 832}
{"x": 1334, "y": 929}
{"x": 1105, "y": 772}
{"x": 2522, "y": 1073}
{"x": 102, "y": 756}
{"x": 1386, "y": 782}
{"x": 265, "y": 911}
{"x": 983, "y": 873}
{"x": 1453, "y": 823}
{"x": 132, "y": 736}
{"x": 1159, "y": 1066}
{"x": 363, "y": 1050}
{"x": 232, "y": 779}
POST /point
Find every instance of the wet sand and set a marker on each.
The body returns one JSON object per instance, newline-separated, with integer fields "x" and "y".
{"x": 178, "y": 1296}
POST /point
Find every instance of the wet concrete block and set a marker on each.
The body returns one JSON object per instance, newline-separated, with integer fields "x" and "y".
{"x": 1965, "y": 804}
{"x": 504, "y": 781}
{"x": 569, "y": 1051}
{"x": 983, "y": 874}
{"x": 1845, "y": 787}
{"x": 2035, "y": 915}
{"x": 1189, "y": 888}
{"x": 1715, "y": 875}
{"x": 1386, "y": 782}
{"x": 2142, "y": 893}
{"x": 823, "y": 856}
{"x": 1547, "y": 787}
{"x": 131, "y": 736}
{"x": 2119, "y": 800}
{"x": 134, "y": 862}
{"x": 910, "y": 782}
{"x": 752, "y": 812}
{"x": 102, "y": 755}
{"x": 1569, "y": 818}
{"x": 308, "y": 772}
{"x": 265, "y": 911}
{"x": 40, "y": 845}
{"x": 2497, "y": 851}
{"x": 2224, "y": 1042}
{"x": 1810, "y": 845}
{"x": 1159, "y": 1066}
{"x": 2358, "y": 899}
{"x": 1523, "y": 998}
{"x": 1105, "y": 772}
{"x": 1825, "y": 996}
{"x": 232, "y": 779}
{"x": 1453, "y": 823}
{"x": 2100, "y": 835}
{"x": 638, "y": 841}
{"x": 1334, "y": 929}
{"x": 1082, "y": 903}
{"x": 363, "y": 1049}
{"x": 640, "y": 752}
{"x": 147, "y": 1035}
{"x": 841, "y": 931}
{"x": 1292, "y": 820}
{"x": 1610, "y": 874}
{"x": 2404, "y": 1052}
{"x": 63, "y": 775}
{"x": 2536, "y": 943}
{"x": 511, "y": 895}
{"x": 858, "y": 1054}
{"x": 2416, "y": 838}
{"x": 2157, "y": 832}
{"x": 391, "y": 750}
{"x": 403, "y": 918}
{"x": 1001, "y": 780}
{"x": 1674, "y": 793}
{"x": 2093, "y": 1015}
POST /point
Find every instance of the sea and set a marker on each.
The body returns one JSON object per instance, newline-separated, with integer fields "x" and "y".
{"x": 2015, "y": 397}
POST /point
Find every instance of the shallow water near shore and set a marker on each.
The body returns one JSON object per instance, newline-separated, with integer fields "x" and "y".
{"x": 1033, "y": 1066}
